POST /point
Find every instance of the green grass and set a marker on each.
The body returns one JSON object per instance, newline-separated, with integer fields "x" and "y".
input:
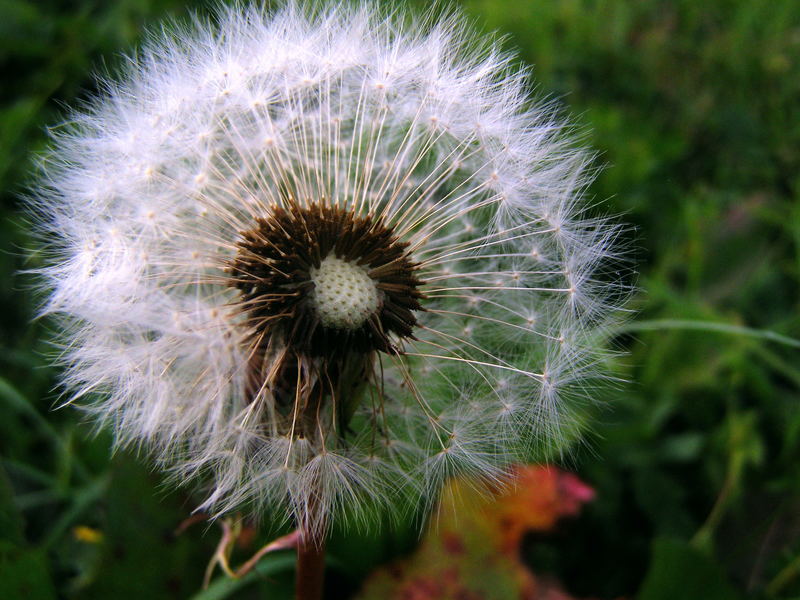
{"x": 694, "y": 108}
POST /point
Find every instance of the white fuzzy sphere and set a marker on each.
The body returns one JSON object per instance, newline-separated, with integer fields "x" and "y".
{"x": 146, "y": 193}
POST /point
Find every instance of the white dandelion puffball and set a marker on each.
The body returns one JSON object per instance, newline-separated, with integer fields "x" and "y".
{"x": 319, "y": 259}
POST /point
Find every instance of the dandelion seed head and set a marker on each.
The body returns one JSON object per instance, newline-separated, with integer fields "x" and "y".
{"x": 319, "y": 259}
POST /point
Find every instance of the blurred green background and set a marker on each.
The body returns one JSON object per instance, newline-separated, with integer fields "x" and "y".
{"x": 694, "y": 108}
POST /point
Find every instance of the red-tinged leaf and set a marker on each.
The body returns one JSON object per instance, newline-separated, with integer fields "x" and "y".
{"x": 471, "y": 549}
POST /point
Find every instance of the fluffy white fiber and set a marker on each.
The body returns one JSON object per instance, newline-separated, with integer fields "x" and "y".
{"x": 146, "y": 192}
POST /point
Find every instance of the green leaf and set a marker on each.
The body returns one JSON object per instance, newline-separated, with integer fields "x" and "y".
{"x": 709, "y": 327}
{"x": 83, "y": 500}
{"x": 682, "y": 447}
{"x": 224, "y": 586}
{"x": 24, "y": 574}
{"x": 141, "y": 555}
{"x": 15, "y": 399}
{"x": 10, "y": 519}
{"x": 679, "y": 571}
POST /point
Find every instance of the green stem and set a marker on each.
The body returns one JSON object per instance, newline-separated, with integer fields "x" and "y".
{"x": 709, "y": 326}
{"x": 785, "y": 576}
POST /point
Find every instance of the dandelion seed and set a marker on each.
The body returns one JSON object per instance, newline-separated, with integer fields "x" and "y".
{"x": 320, "y": 260}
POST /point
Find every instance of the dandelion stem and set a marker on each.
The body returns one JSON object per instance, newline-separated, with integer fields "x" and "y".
{"x": 310, "y": 566}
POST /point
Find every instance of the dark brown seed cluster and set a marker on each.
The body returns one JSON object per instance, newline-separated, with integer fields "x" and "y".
{"x": 273, "y": 267}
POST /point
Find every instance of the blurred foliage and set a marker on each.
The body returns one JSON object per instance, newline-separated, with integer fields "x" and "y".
{"x": 471, "y": 550}
{"x": 694, "y": 108}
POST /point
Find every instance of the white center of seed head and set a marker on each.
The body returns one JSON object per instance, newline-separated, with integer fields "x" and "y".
{"x": 344, "y": 295}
